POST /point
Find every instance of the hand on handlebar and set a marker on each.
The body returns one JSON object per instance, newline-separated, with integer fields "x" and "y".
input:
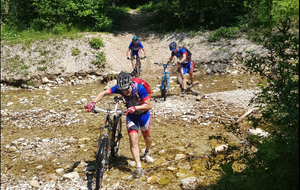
{"x": 90, "y": 106}
{"x": 130, "y": 110}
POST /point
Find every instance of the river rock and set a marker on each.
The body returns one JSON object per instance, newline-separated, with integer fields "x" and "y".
{"x": 72, "y": 175}
{"x": 34, "y": 183}
{"x": 189, "y": 183}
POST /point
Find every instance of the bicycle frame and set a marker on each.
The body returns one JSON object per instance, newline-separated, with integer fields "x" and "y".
{"x": 136, "y": 71}
{"x": 165, "y": 86}
{"x": 165, "y": 74}
{"x": 106, "y": 143}
{"x": 108, "y": 119}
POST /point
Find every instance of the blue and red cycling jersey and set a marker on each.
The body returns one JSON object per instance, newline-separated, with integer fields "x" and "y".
{"x": 135, "y": 47}
{"x": 139, "y": 95}
{"x": 179, "y": 54}
{"x": 139, "y": 119}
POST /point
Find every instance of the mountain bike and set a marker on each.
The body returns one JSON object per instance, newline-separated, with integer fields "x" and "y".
{"x": 165, "y": 79}
{"x": 136, "y": 71}
{"x": 108, "y": 143}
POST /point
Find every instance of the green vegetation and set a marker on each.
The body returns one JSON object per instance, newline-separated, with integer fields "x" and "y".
{"x": 96, "y": 43}
{"x": 75, "y": 51}
{"x": 30, "y": 83}
{"x": 223, "y": 32}
{"x": 42, "y": 68}
{"x": 100, "y": 59}
{"x": 275, "y": 165}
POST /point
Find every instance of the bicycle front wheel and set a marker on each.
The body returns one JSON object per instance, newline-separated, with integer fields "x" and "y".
{"x": 137, "y": 70}
{"x": 164, "y": 89}
{"x": 117, "y": 131}
{"x": 101, "y": 159}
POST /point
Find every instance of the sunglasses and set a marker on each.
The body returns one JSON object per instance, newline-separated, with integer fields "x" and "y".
{"x": 135, "y": 41}
{"x": 126, "y": 89}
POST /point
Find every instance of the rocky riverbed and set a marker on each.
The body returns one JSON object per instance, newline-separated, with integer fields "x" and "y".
{"x": 48, "y": 139}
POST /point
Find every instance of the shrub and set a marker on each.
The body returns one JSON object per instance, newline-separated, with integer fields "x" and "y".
{"x": 59, "y": 28}
{"x": 223, "y": 32}
{"x": 75, "y": 51}
{"x": 96, "y": 43}
{"x": 100, "y": 59}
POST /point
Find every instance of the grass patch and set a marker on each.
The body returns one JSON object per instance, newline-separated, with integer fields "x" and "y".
{"x": 150, "y": 7}
{"x": 96, "y": 43}
{"x": 42, "y": 68}
{"x": 223, "y": 32}
{"x": 75, "y": 51}
{"x": 100, "y": 59}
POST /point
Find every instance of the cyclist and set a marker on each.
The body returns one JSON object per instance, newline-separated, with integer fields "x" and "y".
{"x": 186, "y": 64}
{"x": 135, "y": 47}
{"x": 137, "y": 115}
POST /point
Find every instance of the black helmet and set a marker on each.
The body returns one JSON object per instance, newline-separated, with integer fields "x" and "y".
{"x": 124, "y": 81}
{"x": 172, "y": 46}
{"x": 134, "y": 38}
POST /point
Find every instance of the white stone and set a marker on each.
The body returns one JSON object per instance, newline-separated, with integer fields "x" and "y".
{"x": 221, "y": 148}
{"x": 9, "y": 104}
{"x": 60, "y": 171}
{"x": 34, "y": 183}
{"x": 72, "y": 175}
{"x": 189, "y": 183}
{"x": 45, "y": 80}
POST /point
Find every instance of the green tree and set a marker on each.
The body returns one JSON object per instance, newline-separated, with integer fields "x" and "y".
{"x": 276, "y": 163}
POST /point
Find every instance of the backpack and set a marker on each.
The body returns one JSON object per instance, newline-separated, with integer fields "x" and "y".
{"x": 136, "y": 82}
{"x": 142, "y": 82}
{"x": 189, "y": 54}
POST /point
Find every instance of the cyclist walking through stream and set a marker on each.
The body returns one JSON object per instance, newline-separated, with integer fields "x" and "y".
{"x": 185, "y": 62}
{"x": 134, "y": 48}
{"x": 138, "y": 115}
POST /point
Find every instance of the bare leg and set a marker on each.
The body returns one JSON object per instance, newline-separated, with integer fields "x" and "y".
{"x": 192, "y": 78}
{"x": 148, "y": 140}
{"x": 134, "y": 148}
{"x": 183, "y": 81}
{"x": 140, "y": 63}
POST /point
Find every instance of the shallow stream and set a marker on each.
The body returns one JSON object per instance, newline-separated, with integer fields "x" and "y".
{"x": 32, "y": 119}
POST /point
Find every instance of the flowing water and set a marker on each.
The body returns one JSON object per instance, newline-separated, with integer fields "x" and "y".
{"x": 58, "y": 114}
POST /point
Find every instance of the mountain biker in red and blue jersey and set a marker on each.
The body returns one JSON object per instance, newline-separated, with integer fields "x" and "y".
{"x": 138, "y": 115}
{"x": 186, "y": 65}
{"x": 135, "y": 47}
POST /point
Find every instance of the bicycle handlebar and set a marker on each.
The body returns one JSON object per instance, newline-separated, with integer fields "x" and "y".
{"x": 168, "y": 64}
{"x": 108, "y": 111}
{"x": 97, "y": 110}
{"x": 137, "y": 58}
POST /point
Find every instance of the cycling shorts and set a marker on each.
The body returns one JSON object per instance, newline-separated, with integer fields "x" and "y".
{"x": 137, "y": 53}
{"x": 187, "y": 68}
{"x": 134, "y": 122}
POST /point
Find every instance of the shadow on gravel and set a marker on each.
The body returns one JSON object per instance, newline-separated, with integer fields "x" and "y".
{"x": 120, "y": 163}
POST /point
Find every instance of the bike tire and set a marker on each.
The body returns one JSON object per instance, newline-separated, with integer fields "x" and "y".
{"x": 137, "y": 70}
{"x": 101, "y": 159}
{"x": 164, "y": 89}
{"x": 117, "y": 135}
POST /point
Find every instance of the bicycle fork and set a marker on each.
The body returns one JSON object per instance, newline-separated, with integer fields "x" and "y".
{"x": 165, "y": 75}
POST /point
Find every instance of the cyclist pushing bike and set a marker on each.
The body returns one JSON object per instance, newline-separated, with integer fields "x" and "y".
{"x": 138, "y": 115}
{"x": 135, "y": 47}
{"x": 186, "y": 64}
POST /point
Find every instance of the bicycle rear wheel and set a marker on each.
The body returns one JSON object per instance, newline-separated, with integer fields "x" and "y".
{"x": 101, "y": 159}
{"x": 164, "y": 89}
{"x": 117, "y": 135}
